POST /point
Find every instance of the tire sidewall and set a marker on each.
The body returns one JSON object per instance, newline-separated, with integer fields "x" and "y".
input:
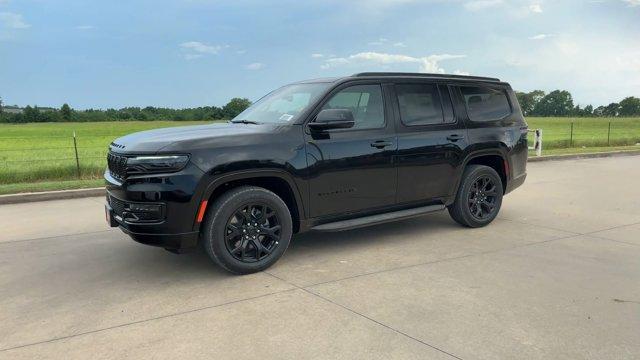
{"x": 223, "y": 210}
{"x": 470, "y": 177}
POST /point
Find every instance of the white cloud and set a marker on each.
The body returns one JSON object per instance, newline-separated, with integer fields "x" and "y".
{"x": 586, "y": 65}
{"x": 632, "y": 3}
{"x": 379, "y": 42}
{"x": 192, "y": 56}
{"x": 201, "y": 47}
{"x": 540, "y": 36}
{"x": 240, "y": 52}
{"x": 426, "y": 64}
{"x": 460, "y": 72}
{"x": 11, "y": 20}
{"x": 85, "y": 27}
{"x": 476, "y": 5}
{"x": 399, "y": 44}
{"x": 317, "y": 56}
{"x": 535, "y": 8}
{"x": 255, "y": 66}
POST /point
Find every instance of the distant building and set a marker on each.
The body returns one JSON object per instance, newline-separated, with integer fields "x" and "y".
{"x": 12, "y": 109}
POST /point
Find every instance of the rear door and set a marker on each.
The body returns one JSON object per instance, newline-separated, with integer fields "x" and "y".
{"x": 431, "y": 141}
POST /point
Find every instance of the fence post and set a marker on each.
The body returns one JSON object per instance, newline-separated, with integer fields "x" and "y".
{"x": 571, "y": 136}
{"x": 539, "y": 142}
{"x": 75, "y": 147}
{"x": 609, "y": 135}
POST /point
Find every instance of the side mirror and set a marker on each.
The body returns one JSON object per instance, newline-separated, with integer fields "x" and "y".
{"x": 332, "y": 119}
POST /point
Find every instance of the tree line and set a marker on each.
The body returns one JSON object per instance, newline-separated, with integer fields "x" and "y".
{"x": 33, "y": 114}
{"x": 560, "y": 103}
{"x": 534, "y": 103}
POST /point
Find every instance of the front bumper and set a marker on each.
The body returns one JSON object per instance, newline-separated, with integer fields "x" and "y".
{"x": 174, "y": 242}
{"x": 158, "y": 210}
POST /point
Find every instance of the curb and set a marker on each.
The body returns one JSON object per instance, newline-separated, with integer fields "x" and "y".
{"x": 83, "y": 193}
{"x": 50, "y": 195}
{"x": 585, "y": 156}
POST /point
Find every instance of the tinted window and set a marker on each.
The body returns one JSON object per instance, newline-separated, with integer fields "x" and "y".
{"x": 419, "y": 104}
{"x": 364, "y": 101}
{"x": 485, "y": 104}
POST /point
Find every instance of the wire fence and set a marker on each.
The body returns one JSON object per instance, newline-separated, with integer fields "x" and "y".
{"x": 42, "y": 157}
{"x": 587, "y": 132}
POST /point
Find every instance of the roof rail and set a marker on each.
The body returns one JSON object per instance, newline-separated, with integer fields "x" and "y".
{"x": 445, "y": 76}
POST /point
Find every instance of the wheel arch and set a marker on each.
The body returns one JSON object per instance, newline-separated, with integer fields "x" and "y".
{"x": 278, "y": 181}
{"x": 494, "y": 158}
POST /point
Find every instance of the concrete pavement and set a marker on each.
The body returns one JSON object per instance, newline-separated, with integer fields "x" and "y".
{"x": 555, "y": 276}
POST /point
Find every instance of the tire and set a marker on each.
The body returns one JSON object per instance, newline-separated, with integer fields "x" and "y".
{"x": 247, "y": 229}
{"x": 472, "y": 194}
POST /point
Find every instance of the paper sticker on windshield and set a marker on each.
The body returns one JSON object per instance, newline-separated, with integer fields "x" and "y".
{"x": 286, "y": 117}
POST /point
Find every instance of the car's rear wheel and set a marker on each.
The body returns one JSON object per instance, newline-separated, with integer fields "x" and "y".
{"x": 247, "y": 229}
{"x": 479, "y": 197}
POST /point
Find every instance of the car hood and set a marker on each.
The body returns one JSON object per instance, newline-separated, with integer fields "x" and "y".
{"x": 152, "y": 141}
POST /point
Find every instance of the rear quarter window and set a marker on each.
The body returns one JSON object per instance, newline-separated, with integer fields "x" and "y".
{"x": 485, "y": 103}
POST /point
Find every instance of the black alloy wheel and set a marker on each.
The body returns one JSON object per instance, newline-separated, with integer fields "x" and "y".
{"x": 252, "y": 232}
{"x": 482, "y": 198}
{"x": 479, "y": 197}
{"x": 247, "y": 229}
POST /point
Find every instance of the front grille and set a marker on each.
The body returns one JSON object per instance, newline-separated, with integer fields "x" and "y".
{"x": 117, "y": 205}
{"x": 117, "y": 165}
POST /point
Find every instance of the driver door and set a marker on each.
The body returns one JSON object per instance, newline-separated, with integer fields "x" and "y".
{"x": 353, "y": 170}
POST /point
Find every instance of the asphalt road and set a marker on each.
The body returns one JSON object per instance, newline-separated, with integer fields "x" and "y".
{"x": 556, "y": 276}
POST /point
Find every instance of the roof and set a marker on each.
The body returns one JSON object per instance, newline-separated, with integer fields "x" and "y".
{"x": 425, "y": 75}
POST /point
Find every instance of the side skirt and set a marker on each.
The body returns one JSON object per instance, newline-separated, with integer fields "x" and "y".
{"x": 377, "y": 219}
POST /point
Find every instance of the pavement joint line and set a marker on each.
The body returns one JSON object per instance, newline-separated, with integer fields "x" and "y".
{"x": 614, "y": 240}
{"x": 439, "y": 260}
{"x": 541, "y": 226}
{"x": 146, "y": 320}
{"x": 55, "y": 236}
{"x": 382, "y": 324}
{"x": 363, "y": 316}
{"x": 611, "y": 228}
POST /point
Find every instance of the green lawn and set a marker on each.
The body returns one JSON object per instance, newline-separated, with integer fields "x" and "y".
{"x": 41, "y": 156}
{"x": 589, "y": 132}
{"x": 44, "y": 151}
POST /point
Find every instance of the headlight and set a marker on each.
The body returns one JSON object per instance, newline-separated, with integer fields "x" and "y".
{"x": 156, "y": 164}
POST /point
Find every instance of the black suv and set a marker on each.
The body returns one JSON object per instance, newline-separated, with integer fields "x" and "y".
{"x": 326, "y": 155}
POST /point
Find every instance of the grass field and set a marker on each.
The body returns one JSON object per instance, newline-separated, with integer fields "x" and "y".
{"x": 587, "y": 132}
{"x": 44, "y": 153}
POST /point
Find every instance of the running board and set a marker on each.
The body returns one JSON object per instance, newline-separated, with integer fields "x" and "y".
{"x": 377, "y": 219}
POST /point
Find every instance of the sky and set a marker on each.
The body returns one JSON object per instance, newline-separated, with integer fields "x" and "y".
{"x": 187, "y": 53}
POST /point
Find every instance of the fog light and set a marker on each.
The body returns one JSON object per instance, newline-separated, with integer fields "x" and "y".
{"x": 145, "y": 208}
{"x": 143, "y": 213}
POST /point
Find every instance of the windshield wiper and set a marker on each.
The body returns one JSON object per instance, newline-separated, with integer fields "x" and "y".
{"x": 245, "y": 122}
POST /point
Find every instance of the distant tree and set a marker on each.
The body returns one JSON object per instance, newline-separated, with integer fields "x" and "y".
{"x": 612, "y": 109}
{"x": 66, "y": 112}
{"x": 588, "y": 110}
{"x": 0, "y": 106}
{"x": 556, "y": 103}
{"x": 629, "y": 106}
{"x": 31, "y": 114}
{"x": 529, "y": 100}
{"x": 235, "y": 106}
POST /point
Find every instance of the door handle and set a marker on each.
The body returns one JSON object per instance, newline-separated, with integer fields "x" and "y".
{"x": 380, "y": 144}
{"x": 454, "y": 137}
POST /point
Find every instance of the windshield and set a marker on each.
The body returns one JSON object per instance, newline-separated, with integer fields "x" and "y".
{"x": 282, "y": 105}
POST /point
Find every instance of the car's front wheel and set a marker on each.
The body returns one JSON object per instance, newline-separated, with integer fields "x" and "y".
{"x": 247, "y": 229}
{"x": 479, "y": 197}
